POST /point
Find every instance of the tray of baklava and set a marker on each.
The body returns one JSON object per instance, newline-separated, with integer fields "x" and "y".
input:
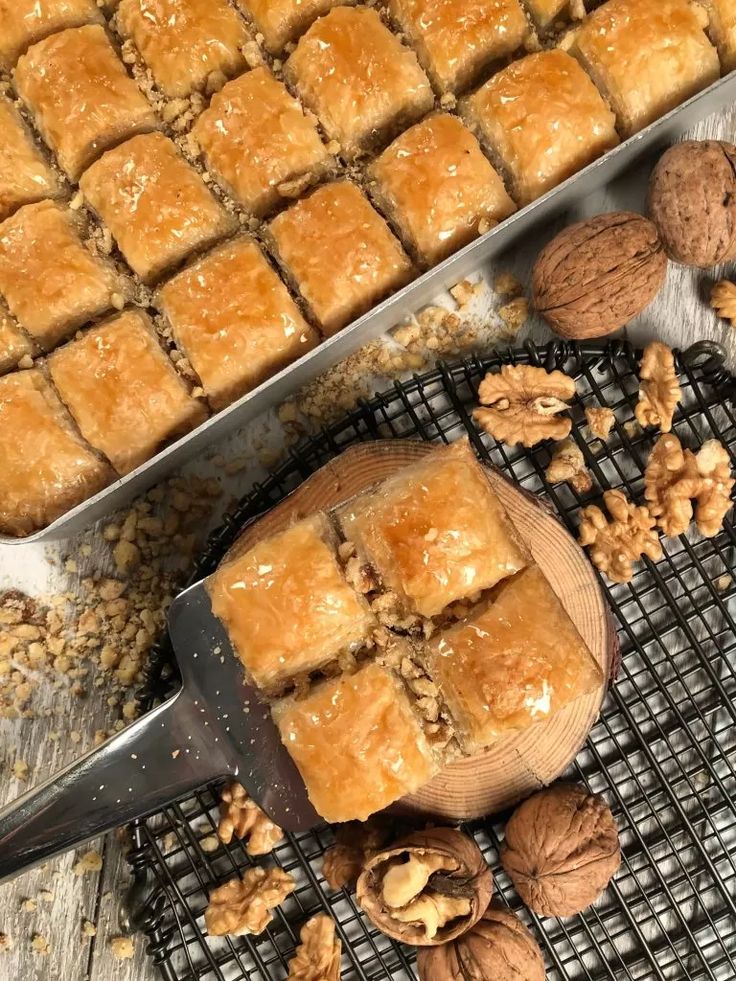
{"x": 205, "y": 203}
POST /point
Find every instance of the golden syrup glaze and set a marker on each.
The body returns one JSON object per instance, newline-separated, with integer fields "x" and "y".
{"x": 722, "y": 14}
{"x": 46, "y": 469}
{"x": 156, "y": 205}
{"x": 22, "y": 22}
{"x": 513, "y": 663}
{"x": 545, "y": 11}
{"x": 340, "y": 253}
{"x": 544, "y": 119}
{"x": 25, "y": 176}
{"x": 234, "y": 319}
{"x": 255, "y": 136}
{"x": 281, "y": 21}
{"x": 358, "y": 78}
{"x": 436, "y": 533}
{"x": 356, "y": 743}
{"x": 50, "y": 281}
{"x": 286, "y": 605}
{"x": 81, "y": 97}
{"x": 648, "y": 57}
{"x": 439, "y": 186}
{"x": 123, "y": 391}
{"x": 184, "y": 41}
{"x": 14, "y": 344}
{"x": 457, "y": 39}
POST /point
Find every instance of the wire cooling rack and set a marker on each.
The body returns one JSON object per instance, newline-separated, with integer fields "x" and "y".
{"x": 662, "y": 752}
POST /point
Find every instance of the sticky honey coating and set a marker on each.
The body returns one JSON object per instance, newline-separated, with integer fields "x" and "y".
{"x": 544, "y": 119}
{"x": 14, "y": 344}
{"x": 356, "y": 743}
{"x": 235, "y": 320}
{"x": 81, "y": 97}
{"x": 50, "y": 281}
{"x": 46, "y": 469}
{"x": 439, "y": 187}
{"x": 545, "y": 11}
{"x": 281, "y": 21}
{"x": 436, "y": 533}
{"x": 647, "y": 58}
{"x": 514, "y": 663}
{"x": 457, "y": 39}
{"x": 123, "y": 391}
{"x": 22, "y": 22}
{"x": 156, "y": 205}
{"x": 184, "y": 41}
{"x": 25, "y": 176}
{"x": 722, "y": 30}
{"x": 255, "y": 138}
{"x": 339, "y": 252}
{"x": 358, "y": 78}
{"x": 286, "y": 605}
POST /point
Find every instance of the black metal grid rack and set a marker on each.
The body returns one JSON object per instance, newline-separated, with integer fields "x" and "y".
{"x": 662, "y": 752}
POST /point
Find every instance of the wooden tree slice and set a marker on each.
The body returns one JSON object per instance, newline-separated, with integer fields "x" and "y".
{"x": 521, "y": 762}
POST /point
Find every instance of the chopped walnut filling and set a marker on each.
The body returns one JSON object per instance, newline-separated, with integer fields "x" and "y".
{"x": 241, "y": 817}
{"x": 659, "y": 391}
{"x": 600, "y": 421}
{"x": 617, "y": 543}
{"x": 317, "y": 958}
{"x": 523, "y": 404}
{"x": 568, "y": 466}
{"x": 244, "y": 906}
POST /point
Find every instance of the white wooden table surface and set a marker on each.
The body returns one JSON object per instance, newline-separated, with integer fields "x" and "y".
{"x": 680, "y": 316}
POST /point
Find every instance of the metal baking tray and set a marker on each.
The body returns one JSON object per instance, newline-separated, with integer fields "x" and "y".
{"x": 628, "y": 155}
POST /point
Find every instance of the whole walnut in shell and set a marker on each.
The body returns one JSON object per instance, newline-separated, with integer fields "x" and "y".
{"x": 561, "y": 850}
{"x": 596, "y": 276}
{"x": 498, "y": 947}
{"x": 692, "y": 201}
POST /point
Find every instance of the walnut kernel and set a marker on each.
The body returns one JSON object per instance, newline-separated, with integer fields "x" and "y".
{"x": 317, "y": 958}
{"x": 243, "y": 906}
{"x": 723, "y": 300}
{"x": 241, "y": 817}
{"x": 522, "y": 404}
{"x": 617, "y": 543}
{"x": 659, "y": 387}
{"x": 568, "y": 465}
{"x": 600, "y": 421}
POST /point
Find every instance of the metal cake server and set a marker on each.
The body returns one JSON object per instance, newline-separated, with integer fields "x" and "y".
{"x": 215, "y": 726}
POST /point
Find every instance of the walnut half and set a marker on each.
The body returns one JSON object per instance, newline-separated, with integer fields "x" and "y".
{"x": 317, "y": 957}
{"x": 244, "y": 905}
{"x": 241, "y": 817}
{"x": 522, "y": 404}
{"x": 617, "y": 543}
{"x": 659, "y": 391}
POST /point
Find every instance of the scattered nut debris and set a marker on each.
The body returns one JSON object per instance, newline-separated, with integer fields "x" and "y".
{"x": 241, "y": 817}
{"x": 6, "y": 943}
{"x": 244, "y": 906}
{"x": 514, "y": 315}
{"x": 91, "y": 861}
{"x": 523, "y": 404}
{"x": 465, "y": 292}
{"x": 46, "y": 895}
{"x": 600, "y": 421}
{"x": 40, "y": 944}
{"x": 617, "y": 543}
{"x": 659, "y": 388}
{"x": 122, "y": 948}
{"x": 317, "y": 957}
{"x": 568, "y": 466}
{"x": 21, "y": 770}
{"x": 28, "y": 905}
{"x": 210, "y": 843}
{"x": 724, "y": 583}
{"x": 723, "y": 300}
{"x": 506, "y": 284}
{"x": 88, "y": 929}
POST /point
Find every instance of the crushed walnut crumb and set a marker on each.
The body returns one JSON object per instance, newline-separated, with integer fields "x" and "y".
{"x": 88, "y": 929}
{"x": 91, "y": 861}
{"x": 122, "y": 948}
{"x": 506, "y": 284}
{"x": 40, "y": 944}
{"x": 6, "y": 943}
{"x": 514, "y": 315}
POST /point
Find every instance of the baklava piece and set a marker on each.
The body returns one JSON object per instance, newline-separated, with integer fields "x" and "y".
{"x": 235, "y": 320}
{"x": 184, "y": 41}
{"x": 281, "y": 21}
{"x": 258, "y": 143}
{"x": 356, "y": 742}
{"x": 46, "y": 468}
{"x": 543, "y": 120}
{"x": 287, "y": 606}
{"x": 457, "y": 39}
{"x": 439, "y": 188}
{"x": 358, "y": 78}
{"x": 23, "y": 22}
{"x": 49, "y": 279}
{"x": 25, "y": 176}
{"x": 339, "y": 253}
{"x": 547, "y": 13}
{"x": 511, "y": 663}
{"x": 156, "y": 205}
{"x": 722, "y": 30}
{"x": 81, "y": 97}
{"x": 646, "y": 57}
{"x": 123, "y": 390}
{"x": 14, "y": 345}
{"x": 435, "y": 533}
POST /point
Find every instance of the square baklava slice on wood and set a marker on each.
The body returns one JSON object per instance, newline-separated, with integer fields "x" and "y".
{"x": 234, "y": 319}
{"x": 438, "y": 187}
{"x": 23, "y": 22}
{"x": 123, "y": 391}
{"x": 258, "y": 143}
{"x": 49, "y": 279}
{"x": 282, "y": 21}
{"x": 356, "y": 742}
{"x": 287, "y": 606}
{"x": 542, "y": 119}
{"x": 363, "y": 84}
{"x": 46, "y": 467}
{"x": 157, "y": 207}
{"x": 81, "y": 97}
{"x": 25, "y": 176}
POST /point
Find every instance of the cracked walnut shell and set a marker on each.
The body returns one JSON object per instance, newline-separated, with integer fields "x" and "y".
{"x": 561, "y": 849}
{"x": 241, "y": 817}
{"x": 617, "y": 543}
{"x": 522, "y": 404}
{"x": 244, "y": 905}
{"x": 597, "y": 275}
{"x": 317, "y": 957}
{"x": 427, "y": 889}
{"x": 659, "y": 387}
{"x": 499, "y": 946}
{"x": 568, "y": 466}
